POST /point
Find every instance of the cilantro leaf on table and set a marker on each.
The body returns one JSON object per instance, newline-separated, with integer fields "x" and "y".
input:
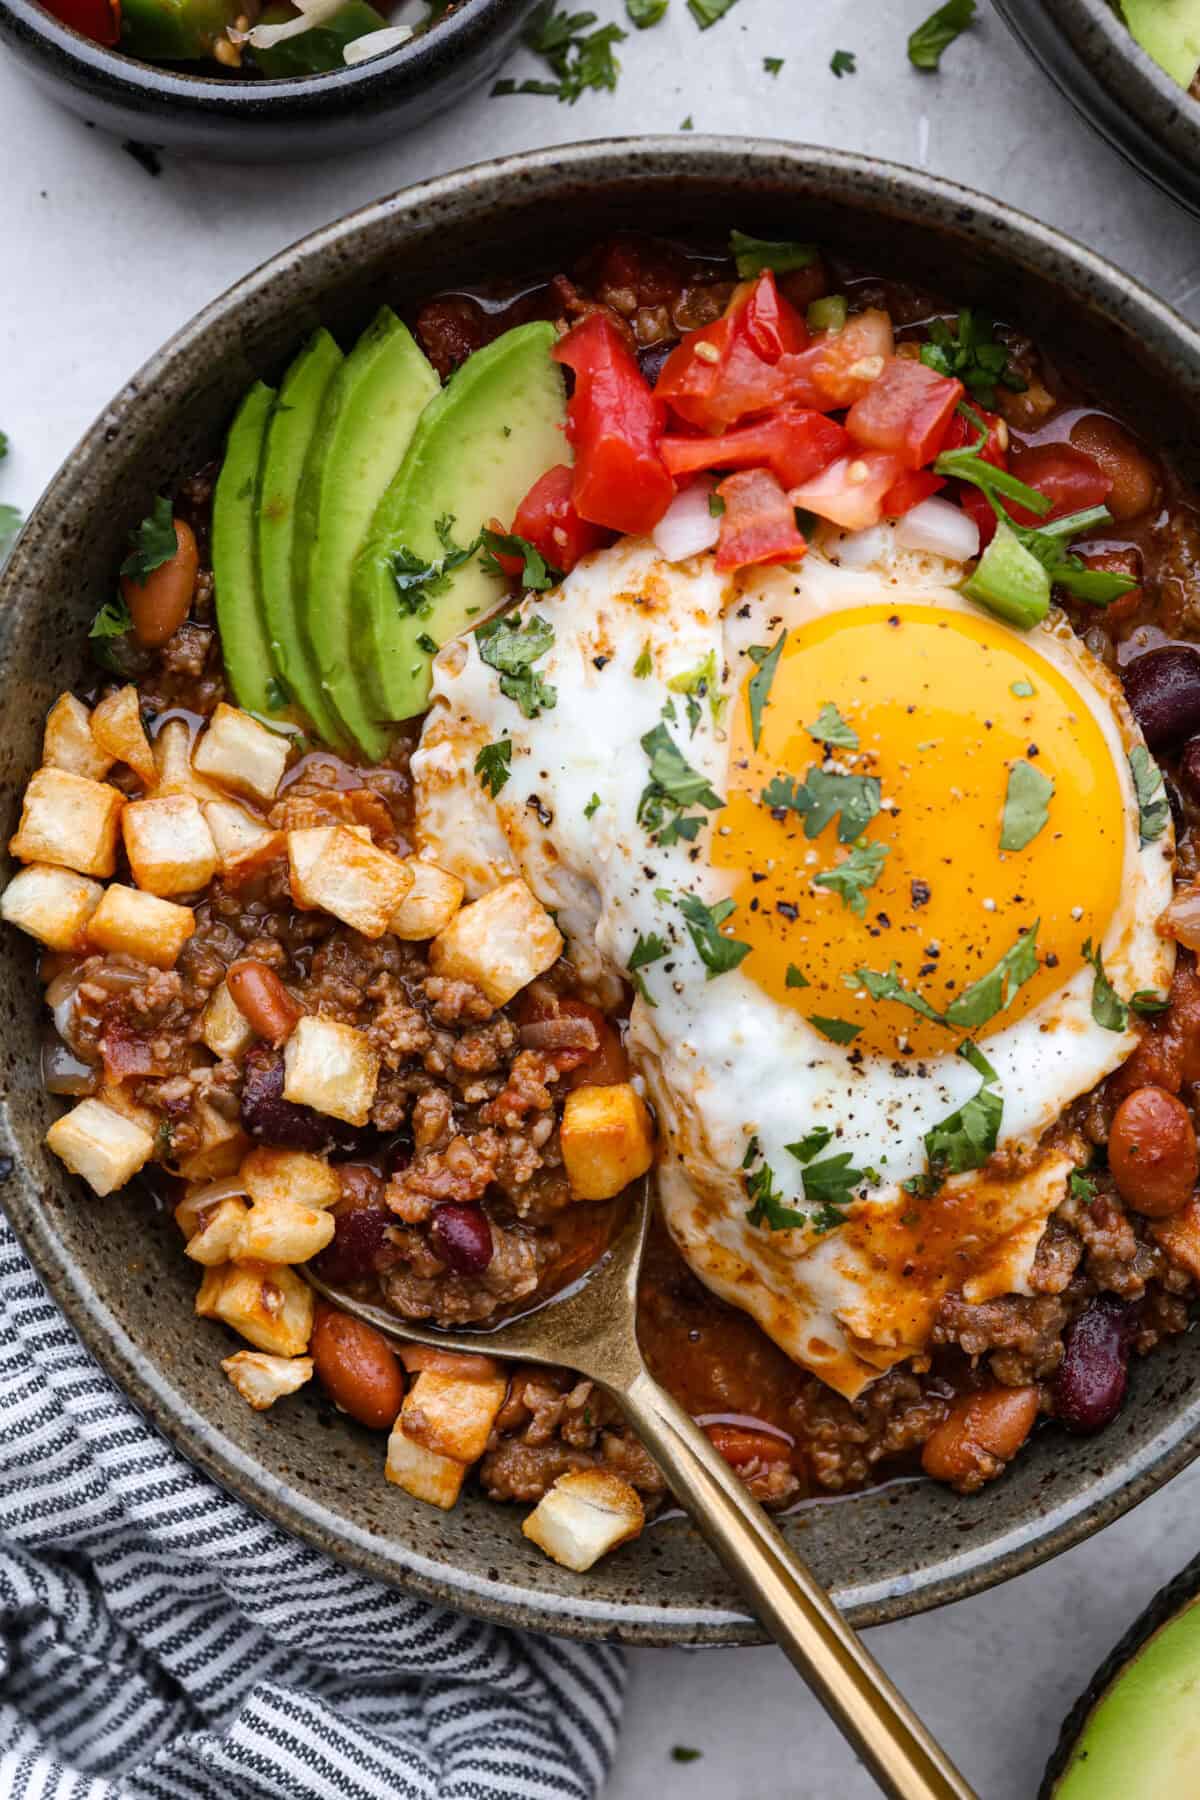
{"x": 781, "y": 255}
{"x": 766, "y": 662}
{"x": 934, "y": 36}
{"x": 1154, "y": 809}
{"x": 155, "y": 542}
{"x": 718, "y": 953}
{"x": 1108, "y": 1008}
{"x": 707, "y": 12}
{"x": 971, "y": 355}
{"x": 825, "y": 794}
{"x": 1026, "y": 806}
{"x": 493, "y": 765}
{"x": 772, "y": 64}
{"x": 579, "y": 57}
{"x": 11, "y": 520}
{"x": 830, "y": 728}
{"x": 644, "y": 13}
{"x": 673, "y": 787}
{"x": 857, "y": 872}
{"x": 536, "y": 574}
{"x": 843, "y": 62}
{"x": 3, "y": 445}
{"x": 512, "y": 648}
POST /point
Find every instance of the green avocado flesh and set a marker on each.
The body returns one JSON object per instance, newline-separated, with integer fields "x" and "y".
{"x": 1169, "y": 31}
{"x": 289, "y": 437}
{"x": 240, "y": 615}
{"x": 317, "y": 51}
{"x": 1143, "y": 1735}
{"x": 367, "y": 418}
{"x": 175, "y": 30}
{"x": 480, "y": 445}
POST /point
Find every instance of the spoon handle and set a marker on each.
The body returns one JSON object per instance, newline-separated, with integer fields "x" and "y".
{"x": 785, "y": 1596}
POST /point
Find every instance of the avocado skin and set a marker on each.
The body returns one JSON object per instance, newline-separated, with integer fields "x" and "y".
{"x": 461, "y": 464}
{"x": 240, "y": 618}
{"x": 1169, "y": 31}
{"x": 369, "y": 414}
{"x": 289, "y": 437}
{"x": 175, "y": 30}
{"x": 1075, "y": 1771}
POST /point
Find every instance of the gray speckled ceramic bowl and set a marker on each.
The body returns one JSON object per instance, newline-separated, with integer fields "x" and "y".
{"x": 1098, "y": 65}
{"x": 118, "y": 1273}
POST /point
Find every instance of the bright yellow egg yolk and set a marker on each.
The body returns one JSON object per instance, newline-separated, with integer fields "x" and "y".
{"x": 940, "y": 703}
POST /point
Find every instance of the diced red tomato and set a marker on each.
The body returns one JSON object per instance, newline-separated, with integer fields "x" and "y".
{"x": 912, "y": 487}
{"x": 1069, "y": 478}
{"x": 99, "y": 20}
{"x": 729, "y": 369}
{"x": 905, "y": 412}
{"x": 961, "y": 432}
{"x": 759, "y": 522}
{"x": 547, "y": 519}
{"x": 794, "y": 443}
{"x": 1124, "y": 561}
{"x": 772, "y": 325}
{"x": 615, "y": 423}
{"x": 741, "y": 1444}
{"x": 839, "y": 367}
{"x": 850, "y": 491}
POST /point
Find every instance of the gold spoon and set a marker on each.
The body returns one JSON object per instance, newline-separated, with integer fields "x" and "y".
{"x": 592, "y": 1328}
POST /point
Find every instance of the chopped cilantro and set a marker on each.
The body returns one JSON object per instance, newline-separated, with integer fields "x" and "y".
{"x": 810, "y": 1144}
{"x": 972, "y": 356}
{"x": 1026, "y": 806}
{"x": 977, "y": 1003}
{"x": 796, "y": 978}
{"x": 1154, "y": 809}
{"x": 707, "y": 12}
{"x": 704, "y": 681}
{"x": 1108, "y": 1008}
{"x": 646, "y": 950}
{"x": 673, "y": 786}
{"x": 644, "y": 665}
{"x": 768, "y": 1206}
{"x": 154, "y": 542}
{"x": 684, "y": 1753}
{"x": 772, "y": 64}
{"x": 829, "y": 1187}
{"x": 888, "y": 986}
{"x": 113, "y": 620}
{"x": 428, "y": 644}
{"x": 512, "y": 649}
{"x": 1023, "y": 690}
{"x": 493, "y": 765}
{"x": 1148, "y": 1003}
{"x": 829, "y": 727}
{"x": 278, "y": 694}
{"x": 838, "y": 1031}
{"x": 823, "y": 795}
{"x": 3, "y": 445}
{"x": 857, "y": 872}
{"x": 1082, "y": 1186}
{"x": 644, "y": 13}
{"x": 718, "y": 953}
{"x": 843, "y": 62}
{"x": 419, "y": 581}
{"x": 938, "y": 32}
{"x": 766, "y": 661}
{"x": 536, "y": 575}
{"x": 752, "y": 255}
{"x": 968, "y": 1136}
{"x": 593, "y": 806}
{"x": 579, "y": 57}
{"x": 687, "y": 125}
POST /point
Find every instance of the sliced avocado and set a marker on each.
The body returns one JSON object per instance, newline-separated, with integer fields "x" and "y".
{"x": 175, "y": 30}
{"x": 317, "y": 51}
{"x": 370, "y": 411}
{"x": 480, "y": 446}
{"x": 289, "y": 436}
{"x": 240, "y": 617}
{"x": 1169, "y": 31}
{"x": 1137, "y": 1729}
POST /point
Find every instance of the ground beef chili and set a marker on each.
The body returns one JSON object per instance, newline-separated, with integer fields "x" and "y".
{"x": 454, "y": 1207}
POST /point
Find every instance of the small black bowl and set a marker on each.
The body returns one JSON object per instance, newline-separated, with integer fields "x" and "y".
{"x": 1099, "y": 66}
{"x": 253, "y": 119}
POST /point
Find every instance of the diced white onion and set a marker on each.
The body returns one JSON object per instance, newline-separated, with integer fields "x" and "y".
{"x": 376, "y": 43}
{"x": 688, "y": 526}
{"x": 207, "y": 1193}
{"x": 941, "y": 528}
{"x": 1182, "y": 918}
{"x": 311, "y": 13}
{"x": 861, "y": 549}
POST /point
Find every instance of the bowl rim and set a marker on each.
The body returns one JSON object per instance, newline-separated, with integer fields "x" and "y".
{"x": 249, "y": 96}
{"x": 971, "y": 1564}
{"x": 1122, "y": 92}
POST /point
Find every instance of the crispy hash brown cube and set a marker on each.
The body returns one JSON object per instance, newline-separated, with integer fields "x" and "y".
{"x": 607, "y": 1139}
{"x": 500, "y": 943}
{"x": 453, "y": 1414}
{"x": 280, "y": 1231}
{"x": 423, "y": 1473}
{"x": 70, "y": 821}
{"x": 99, "y": 1143}
{"x": 222, "y": 1145}
{"x": 266, "y": 1303}
{"x": 238, "y": 836}
{"x": 331, "y": 1067}
{"x": 241, "y": 754}
{"x": 68, "y": 742}
{"x": 51, "y": 904}
{"x": 173, "y": 763}
{"x": 261, "y": 1380}
{"x": 587, "y": 1513}
{"x": 290, "y": 1175}
{"x": 336, "y": 871}
{"x": 216, "y": 1235}
{"x": 117, "y": 727}
{"x": 430, "y": 903}
{"x": 169, "y": 846}
{"x": 224, "y": 1027}
{"x": 141, "y": 925}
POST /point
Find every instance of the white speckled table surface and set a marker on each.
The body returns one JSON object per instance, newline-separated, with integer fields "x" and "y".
{"x": 99, "y": 262}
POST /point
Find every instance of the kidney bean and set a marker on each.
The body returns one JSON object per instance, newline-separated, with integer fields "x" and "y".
{"x": 980, "y": 1430}
{"x": 1090, "y": 1384}
{"x": 358, "y": 1233}
{"x": 1152, "y": 1152}
{"x": 270, "y": 1119}
{"x": 1133, "y": 475}
{"x": 159, "y": 605}
{"x": 1189, "y": 770}
{"x": 358, "y": 1367}
{"x": 1163, "y": 689}
{"x": 262, "y": 1000}
{"x": 462, "y": 1237}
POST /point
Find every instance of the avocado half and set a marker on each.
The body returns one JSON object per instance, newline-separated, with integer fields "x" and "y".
{"x": 1135, "y": 1730}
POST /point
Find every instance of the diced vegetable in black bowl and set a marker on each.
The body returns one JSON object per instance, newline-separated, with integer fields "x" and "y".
{"x": 1130, "y": 67}
{"x": 260, "y": 80}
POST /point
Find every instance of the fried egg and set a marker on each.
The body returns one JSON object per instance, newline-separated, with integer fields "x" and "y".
{"x": 807, "y": 812}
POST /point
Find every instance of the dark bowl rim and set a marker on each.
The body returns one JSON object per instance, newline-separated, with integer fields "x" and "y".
{"x": 971, "y": 1565}
{"x": 250, "y": 97}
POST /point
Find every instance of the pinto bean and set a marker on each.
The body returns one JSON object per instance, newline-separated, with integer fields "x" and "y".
{"x": 262, "y": 1000}
{"x": 1133, "y": 475}
{"x": 981, "y": 1432}
{"x": 1163, "y": 689}
{"x": 358, "y": 1368}
{"x": 159, "y": 605}
{"x": 1152, "y": 1152}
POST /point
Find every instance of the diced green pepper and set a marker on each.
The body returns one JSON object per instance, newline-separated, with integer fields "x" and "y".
{"x": 175, "y": 30}
{"x": 828, "y": 314}
{"x": 1010, "y": 581}
{"x": 319, "y": 50}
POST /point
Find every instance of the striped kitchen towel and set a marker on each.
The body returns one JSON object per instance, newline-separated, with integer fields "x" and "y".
{"x": 159, "y": 1641}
